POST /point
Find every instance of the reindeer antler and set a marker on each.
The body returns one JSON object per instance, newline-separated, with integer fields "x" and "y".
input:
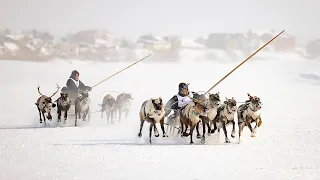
{"x": 58, "y": 87}
{"x": 39, "y": 90}
{"x": 250, "y": 97}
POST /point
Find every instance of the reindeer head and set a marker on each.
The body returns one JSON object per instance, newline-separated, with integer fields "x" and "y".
{"x": 255, "y": 102}
{"x": 64, "y": 93}
{"x": 157, "y": 107}
{"x": 214, "y": 99}
{"x": 84, "y": 96}
{"x": 157, "y": 104}
{"x": 127, "y": 97}
{"x": 231, "y": 104}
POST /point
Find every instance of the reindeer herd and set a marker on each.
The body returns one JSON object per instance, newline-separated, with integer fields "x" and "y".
{"x": 205, "y": 111}
{"x": 81, "y": 106}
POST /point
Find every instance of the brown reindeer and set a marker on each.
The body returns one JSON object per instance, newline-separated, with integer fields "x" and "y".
{"x": 191, "y": 115}
{"x": 152, "y": 111}
{"x": 212, "y": 103}
{"x": 44, "y": 104}
{"x": 225, "y": 117}
{"x": 108, "y": 106}
{"x": 82, "y": 105}
{"x": 249, "y": 113}
{"x": 123, "y": 104}
{"x": 63, "y": 104}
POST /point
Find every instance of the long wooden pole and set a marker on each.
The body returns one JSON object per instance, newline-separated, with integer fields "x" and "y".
{"x": 243, "y": 62}
{"x": 121, "y": 71}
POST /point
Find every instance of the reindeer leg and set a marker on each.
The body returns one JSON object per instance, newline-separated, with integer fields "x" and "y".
{"x": 112, "y": 116}
{"x": 102, "y": 113}
{"x": 233, "y": 129}
{"x": 225, "y": 131}
{"x": 40, "y": 115}
{"x": 150, "y": 132}
{"x": 108, "y": 117}
{"x": 214, "y": 122}
{"x": 257, "y": 125}
{"x": 119, "y": 116}
{"x": 185, "y": 134}
{"x": 59, "y": 114}
{"x": 156, "y": 132}
{"x": 182, "y": 128}
{"x": 84, "y": 117}
{"x": 248, "y": 122}
{"x": 191, "y": 132}
{"x": 44, "y": 118}
{"x": 162, "y": 128}
{"x": 141, "y": 126}
{"x": 76, "y": 116}
{"x": 198, "y": 133}
{"x": 65, "y": 116}
{"x": 203, "y": 139}
{"x": 209, "y": 128}
{"x": 241, "y": 126}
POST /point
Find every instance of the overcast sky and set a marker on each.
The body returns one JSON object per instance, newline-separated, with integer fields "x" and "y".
{"x": 131, "y": 18}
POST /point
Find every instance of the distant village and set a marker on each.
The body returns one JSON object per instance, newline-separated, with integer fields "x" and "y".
{"x": 101, "y": 45}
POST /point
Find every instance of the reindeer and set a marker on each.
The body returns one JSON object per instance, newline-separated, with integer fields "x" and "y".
{"x": 225, "y": 117}
{"x": 123, "y": 104}
{"x": 108, "y": 106}
{"x": 249, "y": 113}
{"x": 191, "y": 115}
{"x": 44, "y": 104}
{"x": 152, "y": 111}
{"x": 82, "y": 105}
{"x": 63, "y": 104}
{"x": 212, "y": 103}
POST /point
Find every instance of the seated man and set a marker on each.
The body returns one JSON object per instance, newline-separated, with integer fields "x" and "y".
{"x": 180, "y": 100}
{"x": 73, "y": 86}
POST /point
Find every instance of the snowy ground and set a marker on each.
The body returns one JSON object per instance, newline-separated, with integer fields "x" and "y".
{"x": 287, "y": 145}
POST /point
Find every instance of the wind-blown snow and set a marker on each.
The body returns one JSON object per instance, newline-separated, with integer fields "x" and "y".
{"x": 287, "y": 145}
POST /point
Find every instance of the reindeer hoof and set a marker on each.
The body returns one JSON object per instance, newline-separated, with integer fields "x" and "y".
{"x": 232, "y": 135}
{"x": 165, "y": 135}
{"x": 212, "y": 131}
{"x": 227, "y": 141}
{"x": 185, "y": 134}
{"x": 139, "y": 135}
{"x": 209, "y": 133}
{"x": 254, "y": 131}
{"x": 191, "y": 142}
{"x": 203, "y": 140}
{"x": 253, "y": 135}
{"x": 198, "y": 136}
{"x": 156, "y": 135}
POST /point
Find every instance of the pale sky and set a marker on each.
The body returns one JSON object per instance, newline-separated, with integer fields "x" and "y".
{"x": 131, "y": 18}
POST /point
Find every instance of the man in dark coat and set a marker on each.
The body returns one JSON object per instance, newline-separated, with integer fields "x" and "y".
{"x": 74, "y": 84}
{"x": 180, "y": 100}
